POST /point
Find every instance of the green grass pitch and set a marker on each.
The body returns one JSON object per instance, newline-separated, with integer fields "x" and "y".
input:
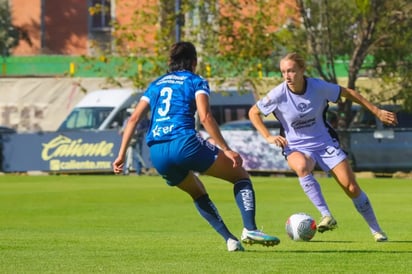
{"x": 120, "y": 224}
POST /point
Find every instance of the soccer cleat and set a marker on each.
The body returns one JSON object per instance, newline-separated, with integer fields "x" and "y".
{"x": 327, "y": 223}
{"x": 380, "y": 236}
{"x": 234, "y": 245}
{"x": 258, "y": 237}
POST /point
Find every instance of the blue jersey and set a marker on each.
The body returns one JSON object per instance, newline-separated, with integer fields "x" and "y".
{"x": 302, "y": 115}
{"x": 173, "y": 106}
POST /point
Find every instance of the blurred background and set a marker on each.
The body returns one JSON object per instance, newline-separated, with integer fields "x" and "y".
{"x": 55, "y": 53}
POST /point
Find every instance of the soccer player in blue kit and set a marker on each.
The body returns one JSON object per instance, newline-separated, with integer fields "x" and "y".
{"x": 178, "y": 151}
{"x": 300, "y": 104}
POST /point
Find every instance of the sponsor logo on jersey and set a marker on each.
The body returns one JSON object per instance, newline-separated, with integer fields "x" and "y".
{"x": 303, "y": 123}
{"x": 159, "y": 131}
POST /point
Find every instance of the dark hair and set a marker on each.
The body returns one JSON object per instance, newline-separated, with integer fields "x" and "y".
{"x": 181, "y": 56}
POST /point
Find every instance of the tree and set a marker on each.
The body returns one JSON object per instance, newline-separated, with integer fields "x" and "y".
{"x": 139, "y": 42}
{"x": 234, "y": 38}
{"x": 356, "y": 30}
{"x": 10, "y": 35}
{"x": 393, "y": 58}
{"x": 244, "y": 39}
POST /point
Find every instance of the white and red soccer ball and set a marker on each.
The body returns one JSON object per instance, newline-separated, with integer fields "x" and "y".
{"x": 301, "y": 227}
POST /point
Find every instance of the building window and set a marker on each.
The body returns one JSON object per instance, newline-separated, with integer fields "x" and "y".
{"x": 100, "y": 14}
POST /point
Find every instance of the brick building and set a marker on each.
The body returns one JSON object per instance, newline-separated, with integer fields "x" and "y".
{"x": 68, "y": 27}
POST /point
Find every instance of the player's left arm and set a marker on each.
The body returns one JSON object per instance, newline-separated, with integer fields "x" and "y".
{"x": 387, "y": 117}
{"x": 211, "y": 126}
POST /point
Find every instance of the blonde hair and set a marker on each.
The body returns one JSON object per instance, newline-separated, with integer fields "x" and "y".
{"x": 298, "y": 59}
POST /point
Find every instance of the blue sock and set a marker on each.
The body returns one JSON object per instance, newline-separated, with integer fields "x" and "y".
{"x": 312, "y": 189}
{"x": 364, "y": 207}
{"x": 208, "y": 211}
{"x": 245, "y": 199}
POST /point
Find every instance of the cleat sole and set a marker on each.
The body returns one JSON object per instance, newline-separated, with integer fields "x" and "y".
{"x": 322, "y": 229}
{"x": 249, "y": 241}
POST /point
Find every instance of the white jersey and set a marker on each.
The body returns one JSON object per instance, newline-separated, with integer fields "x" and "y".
{"x": 302, "y": 115}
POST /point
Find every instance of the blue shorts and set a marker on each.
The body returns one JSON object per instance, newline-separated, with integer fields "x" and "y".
{"x": 174, "y": 159}
{"x": 327, "y": 157}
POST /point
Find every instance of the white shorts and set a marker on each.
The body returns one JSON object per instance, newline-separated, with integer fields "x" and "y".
{"x": 327, "y": 157}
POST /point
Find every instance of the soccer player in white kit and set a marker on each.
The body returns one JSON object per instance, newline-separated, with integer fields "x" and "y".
{"x": 300, "y": 104}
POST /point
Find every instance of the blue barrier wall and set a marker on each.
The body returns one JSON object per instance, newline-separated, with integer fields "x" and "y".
{"x": 94, "y": 151}
{"x": 59, "y": 152}
{"x": 88, "y": 151}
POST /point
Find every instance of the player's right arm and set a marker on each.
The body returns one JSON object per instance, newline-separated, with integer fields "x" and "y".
{"x": 140, "y": 111}
{"x": 257, "y": 121}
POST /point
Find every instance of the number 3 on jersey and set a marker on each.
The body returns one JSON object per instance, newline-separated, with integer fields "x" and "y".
{"x": 166, "y": 95}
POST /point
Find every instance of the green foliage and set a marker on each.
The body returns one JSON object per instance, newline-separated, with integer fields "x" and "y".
{"x": 393, "y": 58}
{"x": 358, "y": 29}
{"x": 129, "y": 55}
{"x": 246, "y": 52}
{"x": 248, "y": 37}
{"x": 245, "y": 39}
{"x": 9, "y": 34}
{"x": 120, "y": 224}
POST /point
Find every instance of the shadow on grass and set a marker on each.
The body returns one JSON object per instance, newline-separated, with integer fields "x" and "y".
{"x": 331, "y": 241}
{"x": 326, "y": 250}
{"x": 382, "y": 243}
{"x": 333, "y": 251}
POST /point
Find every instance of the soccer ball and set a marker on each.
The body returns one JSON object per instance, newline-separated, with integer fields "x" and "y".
{"x": 301, "y": 227}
